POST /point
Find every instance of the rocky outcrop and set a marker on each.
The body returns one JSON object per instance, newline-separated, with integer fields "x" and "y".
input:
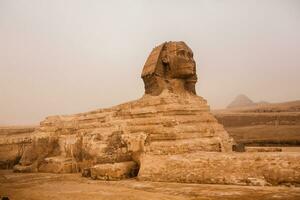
{"x": 115, "y": 171}
{"x": 13, "y": 142}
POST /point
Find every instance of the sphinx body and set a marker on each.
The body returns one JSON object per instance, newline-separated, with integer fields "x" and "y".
{"x": 169, "y": 119}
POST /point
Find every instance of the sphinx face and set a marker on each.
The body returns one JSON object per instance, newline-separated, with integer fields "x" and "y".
{"x": 181, "y": 61}
{"x": 170, "y": 66}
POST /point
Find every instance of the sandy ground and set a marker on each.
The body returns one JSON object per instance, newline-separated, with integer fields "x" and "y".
{"x": 35, "y": 186}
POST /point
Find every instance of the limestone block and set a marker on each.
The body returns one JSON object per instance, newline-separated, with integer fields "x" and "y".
{"x": 223, "y": 168}
{"x": 115, "y": 171}
{"x": 25, "y": 169}
{"x": 70, "y": 145}
{"x": 257, "y": 182}
{"x": 135, "y": 142}
{"x": 39, "y": 149}
{"x": 13, "y": 142}
{"x": 185, "y": 146}
{"x": 58, "y": 165}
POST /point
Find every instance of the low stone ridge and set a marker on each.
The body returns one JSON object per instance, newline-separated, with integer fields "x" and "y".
{"x": 170, "y": 129}
{"x": 115, "y": 171}
{"x": 13, "y": 141}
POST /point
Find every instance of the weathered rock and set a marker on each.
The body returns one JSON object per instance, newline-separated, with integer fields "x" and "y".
{"x": 223, "y": 168}
{"x": 136, "y": 142}
{"x": 41, "y": 148}
{"x": 257, "y": 182}
{"x": 58, "y": 165}
{"x": 25, "y": 169}
{"x": 169, "y": 119}
{"x": 239, "y": 148}
{"x": 170, "y": 66}
{"x": 115, "y": 171}
{"x": 86, "y": 172}
{"x": 13, "y": 142}
{"x": 263, "y": 149}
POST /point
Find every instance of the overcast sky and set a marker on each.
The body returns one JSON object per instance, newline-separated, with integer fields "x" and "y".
{"x": 64, "y": 57}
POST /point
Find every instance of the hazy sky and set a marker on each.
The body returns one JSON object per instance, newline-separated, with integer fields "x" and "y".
{"x": 64, "y": 57}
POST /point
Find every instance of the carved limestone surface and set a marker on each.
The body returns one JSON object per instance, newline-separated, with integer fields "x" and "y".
{"x": 169, "y": 119}
{"x": 169, "y": 134}
{"x": 170, "y": 66}
{"x": 135, "y": 142}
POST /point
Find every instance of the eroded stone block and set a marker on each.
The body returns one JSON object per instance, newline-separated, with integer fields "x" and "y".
{"x": 115, "y": 171}
{"x": 223, "y": 168}
{"x": 58, "y": 165}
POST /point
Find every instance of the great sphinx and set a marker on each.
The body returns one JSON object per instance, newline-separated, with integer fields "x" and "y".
{"x": 169, "y": 119}
{"x": 168, "y": 134}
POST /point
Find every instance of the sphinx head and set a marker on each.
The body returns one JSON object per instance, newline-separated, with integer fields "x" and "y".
{"x": 170, "y": 66}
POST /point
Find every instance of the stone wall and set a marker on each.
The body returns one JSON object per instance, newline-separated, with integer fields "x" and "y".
{"x": 223, "y": 168}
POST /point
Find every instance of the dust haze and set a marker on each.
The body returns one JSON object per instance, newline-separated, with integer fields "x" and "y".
{"x": 63, "y": 57}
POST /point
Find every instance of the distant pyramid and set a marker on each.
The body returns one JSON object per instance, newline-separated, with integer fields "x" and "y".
{"x": 241, "y": 101}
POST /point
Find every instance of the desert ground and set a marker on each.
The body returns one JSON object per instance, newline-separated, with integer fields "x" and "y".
{"x": 38, "y": 186}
